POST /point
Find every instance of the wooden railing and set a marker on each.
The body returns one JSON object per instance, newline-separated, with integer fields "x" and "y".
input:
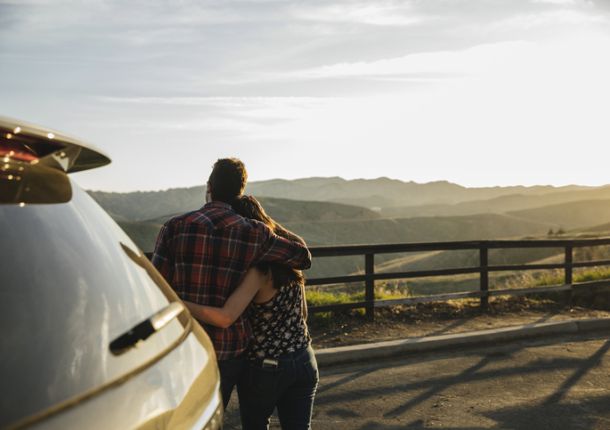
{"x": 369, "y": 276}
{"x": 483, "y": 269}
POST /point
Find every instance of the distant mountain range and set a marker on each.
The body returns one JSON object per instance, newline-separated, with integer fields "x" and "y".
{"x": 385, "y": 192}
{"x": 390, "y": 211}
{"x": 501, "y": 204}
{"x": 392, "y": 198}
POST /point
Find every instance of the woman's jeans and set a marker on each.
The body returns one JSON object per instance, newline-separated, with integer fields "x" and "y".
{"x": 290, "y": 385}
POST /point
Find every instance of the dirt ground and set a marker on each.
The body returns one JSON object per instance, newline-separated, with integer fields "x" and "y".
{"x": 431, "y": 319}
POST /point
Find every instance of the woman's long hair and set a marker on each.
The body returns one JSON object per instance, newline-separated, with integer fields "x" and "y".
{"x": 282, "y": 275}
{"x": 249, "y": 207}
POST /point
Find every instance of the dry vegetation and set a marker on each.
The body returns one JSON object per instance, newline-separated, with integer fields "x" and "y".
{"x": 439, "y": 318}
{"x": 427, "y": 319}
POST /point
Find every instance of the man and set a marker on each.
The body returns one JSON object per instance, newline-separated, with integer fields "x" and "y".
{"x": 205, "y": 254}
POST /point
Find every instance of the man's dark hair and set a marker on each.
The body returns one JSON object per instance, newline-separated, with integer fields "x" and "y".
{"x": 228, "y": 179}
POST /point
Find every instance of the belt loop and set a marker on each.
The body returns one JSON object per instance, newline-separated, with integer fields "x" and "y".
{"x": 269, "y": 363}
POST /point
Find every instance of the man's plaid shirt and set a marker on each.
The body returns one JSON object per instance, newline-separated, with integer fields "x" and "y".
{"x": 205, "y": 254}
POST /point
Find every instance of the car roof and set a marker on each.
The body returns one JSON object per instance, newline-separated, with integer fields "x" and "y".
{"x": 52, "y": 147}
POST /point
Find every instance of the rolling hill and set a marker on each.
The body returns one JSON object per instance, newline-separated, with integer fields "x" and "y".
{"x": 146, "y": 205}
{"x": 572, "y": 215}
{"x": 144, "y": 232}
{"x": 368, "y": 231}
{"x": 369, "y": 193}
{"x": 385, "y": 192}
{"x": 503, "y": 204}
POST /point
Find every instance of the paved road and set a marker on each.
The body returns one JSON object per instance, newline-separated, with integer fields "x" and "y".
{"x": 544, "y": 384}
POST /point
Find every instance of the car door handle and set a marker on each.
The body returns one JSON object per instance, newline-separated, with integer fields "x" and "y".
{"x": 146, "y": 328}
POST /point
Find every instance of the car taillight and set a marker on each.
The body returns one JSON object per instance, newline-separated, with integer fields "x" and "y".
{"x": 35, "y": 162}
{"x": 25, "y": 176}
{"x": 31, "y": 145}
{"x": 17, "y": 146}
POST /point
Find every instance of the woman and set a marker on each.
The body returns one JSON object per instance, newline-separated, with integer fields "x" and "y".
{"x": 282, "y": 370}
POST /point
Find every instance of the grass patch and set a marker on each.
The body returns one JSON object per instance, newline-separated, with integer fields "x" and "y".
{"x": 597, "y": 274}
{"x": 395, "y": 290}
{"x": 583, "y": 275}
{"x": 322, "y": 298}
{"x": 317, "y": 297}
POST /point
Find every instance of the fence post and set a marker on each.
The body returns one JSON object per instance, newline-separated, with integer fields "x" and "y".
{"x": 569, "y": 256}
{"x": 483, "y": 263}
{"x": 568, "y": 265}
{"x": 369, "y": 292}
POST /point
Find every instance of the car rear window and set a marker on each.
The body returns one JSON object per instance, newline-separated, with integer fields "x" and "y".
{"x": 67, "y": 289}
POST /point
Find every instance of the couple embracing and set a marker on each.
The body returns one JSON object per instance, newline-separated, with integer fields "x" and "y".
{"x": 239, "y": 273}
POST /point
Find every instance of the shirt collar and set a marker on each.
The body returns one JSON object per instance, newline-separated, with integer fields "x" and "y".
{"x": 218, "y": 204}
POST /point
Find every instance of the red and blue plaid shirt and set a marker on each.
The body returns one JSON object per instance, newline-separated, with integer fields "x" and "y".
{"x": 205, "y": 254}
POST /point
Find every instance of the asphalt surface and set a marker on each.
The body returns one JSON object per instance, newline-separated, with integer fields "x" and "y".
{"x": 546, "y": 383}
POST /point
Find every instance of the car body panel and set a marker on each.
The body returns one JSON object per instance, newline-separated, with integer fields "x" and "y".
{"x": 181, "y": 391}
{"x": 71, "y": 282}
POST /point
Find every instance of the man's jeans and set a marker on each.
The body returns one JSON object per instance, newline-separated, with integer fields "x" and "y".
{"x": 291, "y": 386}
{"x": 231, "y": 371}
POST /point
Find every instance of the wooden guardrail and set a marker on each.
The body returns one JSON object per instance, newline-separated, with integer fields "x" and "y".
{"x": 483, "y": 269}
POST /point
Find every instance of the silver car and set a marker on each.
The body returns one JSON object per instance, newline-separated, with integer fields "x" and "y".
{"x": 92, "y": 336}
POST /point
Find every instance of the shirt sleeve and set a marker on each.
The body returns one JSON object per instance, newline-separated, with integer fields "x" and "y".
{"x": 162, "y": 257}
{"x": 276, "y": 249}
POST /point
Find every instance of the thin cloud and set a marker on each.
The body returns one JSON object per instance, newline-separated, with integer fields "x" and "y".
{"x": 559, "y": 2}
{"x": 554, "y": 18}
{"x": 432, "y": 65}
{"x": 246, "y": 116}
{"x": 246, "y": 103}
{"x": 384, "y": 14}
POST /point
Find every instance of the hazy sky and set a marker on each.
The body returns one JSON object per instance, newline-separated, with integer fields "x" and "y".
{"x": 478, "y": 92}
